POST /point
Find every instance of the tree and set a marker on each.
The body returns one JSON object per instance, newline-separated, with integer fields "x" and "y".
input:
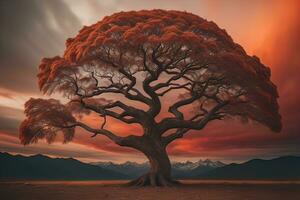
{"x": 143, "y": 57}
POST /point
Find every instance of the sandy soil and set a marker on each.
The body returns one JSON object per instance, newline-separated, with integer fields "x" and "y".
{"x": 191, "y": 190}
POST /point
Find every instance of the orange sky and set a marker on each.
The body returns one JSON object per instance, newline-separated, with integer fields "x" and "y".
{"x": 269, "y": 29}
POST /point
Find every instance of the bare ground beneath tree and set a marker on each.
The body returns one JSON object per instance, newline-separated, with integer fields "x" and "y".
{"x": 206, "y": 190}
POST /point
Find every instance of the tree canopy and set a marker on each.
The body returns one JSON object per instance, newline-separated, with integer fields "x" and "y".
{"x": 144, "y": 56}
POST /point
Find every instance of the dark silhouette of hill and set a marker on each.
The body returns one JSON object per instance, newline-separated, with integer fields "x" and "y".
{"x": 40, "y": 167}
{"x": 287, "y": 167}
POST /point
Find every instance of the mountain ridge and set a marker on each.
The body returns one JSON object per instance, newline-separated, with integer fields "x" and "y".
{"x": 284, "y": 167}
{"x": 180, "y": 170}
{"x": 41, "y": 167}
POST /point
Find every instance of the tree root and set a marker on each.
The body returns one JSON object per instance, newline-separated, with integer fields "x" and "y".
{"x": 151, "y": 179}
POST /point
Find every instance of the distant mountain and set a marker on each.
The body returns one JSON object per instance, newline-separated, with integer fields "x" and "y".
{"x": 189, "y": 170}
{"x": 188, "y": 165}
{"x": 43, "y": 167}
{"x": 131, "y": 169}
{"x": 287, "y": 167}
{"x": 179, "y": 169}
{"x": 40, "y": 167}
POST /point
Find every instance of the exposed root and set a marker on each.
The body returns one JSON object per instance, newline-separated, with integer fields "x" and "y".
{"x": 151, "y": 179}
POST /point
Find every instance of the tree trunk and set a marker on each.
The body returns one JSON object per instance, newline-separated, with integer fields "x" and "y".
{"x": 160, "y": 166}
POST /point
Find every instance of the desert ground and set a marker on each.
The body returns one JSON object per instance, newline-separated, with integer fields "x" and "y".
{"x": 190, "y": 190}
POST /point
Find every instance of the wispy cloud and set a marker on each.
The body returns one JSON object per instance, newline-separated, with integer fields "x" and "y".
{"x": 31, "y": 30}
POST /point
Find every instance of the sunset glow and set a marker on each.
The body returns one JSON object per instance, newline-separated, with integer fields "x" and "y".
{"x": 267, "y": 29}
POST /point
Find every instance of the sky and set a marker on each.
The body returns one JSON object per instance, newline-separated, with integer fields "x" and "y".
{"x": 270, "y": 29}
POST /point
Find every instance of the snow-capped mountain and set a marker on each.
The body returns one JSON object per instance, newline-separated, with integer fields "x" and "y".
{"x": 186, "y": 169}
{"x": 188, "y": 165}
{"x": 190, "y": 169}
{"x": 132, "y": 169}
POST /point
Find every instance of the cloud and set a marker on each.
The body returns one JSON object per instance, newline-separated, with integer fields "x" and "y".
{"x": 30, "y": 31}
{"x": 11, "y": 144}
{"x": 9, "y": 125}
{"x": 10, "y": 119}
{"x": 6, "y": 95}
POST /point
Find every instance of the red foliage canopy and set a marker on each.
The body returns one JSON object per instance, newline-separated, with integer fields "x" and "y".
{"x": 173, "y": 50}
{"x": 44, "y": 119}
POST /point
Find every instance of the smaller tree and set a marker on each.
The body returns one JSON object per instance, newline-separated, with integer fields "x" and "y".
{"x": 142, "y": 57}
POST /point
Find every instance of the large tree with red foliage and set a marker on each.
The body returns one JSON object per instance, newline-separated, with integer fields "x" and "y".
{"x": 143, "y": 57}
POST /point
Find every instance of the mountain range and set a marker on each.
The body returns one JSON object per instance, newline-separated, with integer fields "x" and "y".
{"x": 180, "y": 170}
{"x": 40, "y": 167}
{"x": 286, "y": 167}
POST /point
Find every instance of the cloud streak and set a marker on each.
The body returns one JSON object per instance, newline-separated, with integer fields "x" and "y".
{"x": 31, "y": 30}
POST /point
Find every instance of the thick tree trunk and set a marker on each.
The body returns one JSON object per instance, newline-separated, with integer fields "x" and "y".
{"x": 160, "y": 166}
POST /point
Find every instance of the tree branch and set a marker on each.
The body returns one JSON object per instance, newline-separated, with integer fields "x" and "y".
{"x": 171, "y": 123}
{"x": 107, "y": 133}
{"x": 129, "y": 141}
{"x": 173, "y": 136}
